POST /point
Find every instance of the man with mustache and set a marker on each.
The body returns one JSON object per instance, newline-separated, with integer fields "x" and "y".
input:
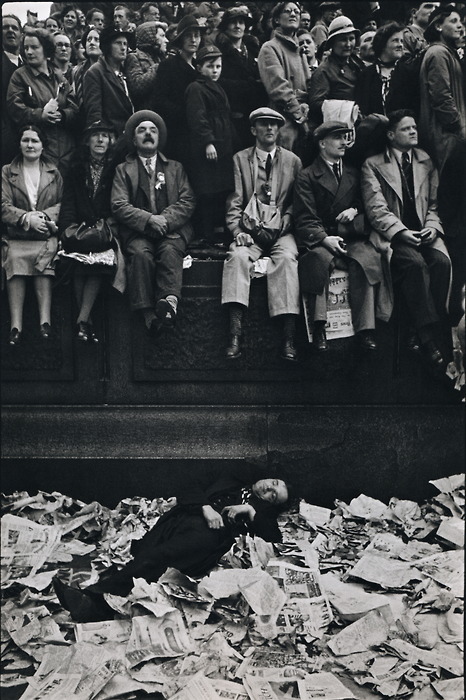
{"x": 153, "y": 203}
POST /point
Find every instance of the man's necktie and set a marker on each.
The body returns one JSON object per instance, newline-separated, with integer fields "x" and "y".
{"x": 149, "y": 168}
{"x": 336, "y": 171}
{"x": 268, "y": 167}
{"x": 407, "y": 169}
{"x": 151, "y": 173}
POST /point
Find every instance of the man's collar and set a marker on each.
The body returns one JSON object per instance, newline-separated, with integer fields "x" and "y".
{"x": 262, "y": 155}
{"x": 398, "y": 154}
{"x": 153, "y": 159}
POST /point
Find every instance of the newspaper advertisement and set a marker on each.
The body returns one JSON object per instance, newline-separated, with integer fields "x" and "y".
{"x": 157, "y": 637}
{"x": 369, "y": 631}
{"x": 323, "y": 685}
{"x": 339, "y": 321}
{"x": 25, "y": 546}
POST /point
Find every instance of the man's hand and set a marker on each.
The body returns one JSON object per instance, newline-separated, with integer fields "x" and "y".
{"x": 158, "y": 223}
{"x": 212, "y": 518}
{"x": 210, "y": 152}
{"x": 334, "y": 244}
{"x": 244, "y": 239}
{"x": 347, "y": 216}
{"x": 285, "y": 224}
{"x": 427, "y": 236}
{"x": 232, "y": 512}
{"x": 409, "y": 237}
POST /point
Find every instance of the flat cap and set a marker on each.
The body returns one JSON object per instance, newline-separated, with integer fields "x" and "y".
{"x": 207, "y": 52}
{"x": 146, "y": 115}
{"x": 266, "y": 113}
{"x": 330, "y": 127}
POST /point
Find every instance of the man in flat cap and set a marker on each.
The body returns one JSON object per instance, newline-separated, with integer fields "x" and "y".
{"x": 153, "y": 203}
{"x": 330, "y": 229}
{"x": 327, "y": 13}
{"x": 259, "y": 216}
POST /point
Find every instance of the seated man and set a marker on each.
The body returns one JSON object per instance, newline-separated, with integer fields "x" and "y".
{"x": 264, "y": 177}
{"x": 153, "y": 202}
{"x": 191, "y": 537}
{"x": 330, "y": 227}
{"x": 399, "y": 190}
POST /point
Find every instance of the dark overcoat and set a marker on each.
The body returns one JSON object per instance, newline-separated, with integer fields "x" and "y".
{"x": 105, "y": 98}
{"x": 318, "y": 200}
{"x": 173, "y": 77}
{"x": 209, "y": 118}
{"x": 9, "y": 136}
{"x": 130, "y": 199}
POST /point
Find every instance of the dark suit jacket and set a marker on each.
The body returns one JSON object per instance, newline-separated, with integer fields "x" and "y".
{"x": 318, "y": 199}
{"x": 130, "y": 199}
{"x": 105, "y": 98}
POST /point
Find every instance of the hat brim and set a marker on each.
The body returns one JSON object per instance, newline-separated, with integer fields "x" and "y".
{"x": 142, "y": 116}
{"x": 177, "y": 37}
{"x": 225, "y": 21}
{"x": 107, "y": 40}
{"x": 341, "y": 32}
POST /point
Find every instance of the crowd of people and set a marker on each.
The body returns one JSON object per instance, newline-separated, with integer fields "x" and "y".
{"x": 318, "y": 135}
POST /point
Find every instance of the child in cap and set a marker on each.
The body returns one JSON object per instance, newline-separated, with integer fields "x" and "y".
{"x": 211, "y": 146}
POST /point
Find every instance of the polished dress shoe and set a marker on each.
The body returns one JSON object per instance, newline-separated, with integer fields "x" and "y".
{"x": 319, "y": 338}
{"x": 165, "y": 313}
{"x": 45, "y": 330}
{"x": 366, "y": 340}
{"x": 288, "y": 350}
{"x": 83, "y": 606}
{"x": 14, "y": 337}
{"x": 433, "y": 353}
{"x": 413, "y": 344}
{"x": 234, "y": 349}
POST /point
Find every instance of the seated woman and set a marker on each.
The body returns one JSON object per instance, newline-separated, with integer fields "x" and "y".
{"x": 31, "y": 196}
{"x": 192, "y": 537}
{"x": 86, "y": 199}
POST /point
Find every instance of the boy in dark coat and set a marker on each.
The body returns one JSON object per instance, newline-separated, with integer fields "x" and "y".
{"x": 211, "y": 148}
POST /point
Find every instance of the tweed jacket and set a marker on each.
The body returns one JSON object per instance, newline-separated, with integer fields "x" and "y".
{"x": 104, "y": 96}
{"x": 15, "y": 200}
{"x": 283, "y": 73}
{"x": 383, "y": 197}
{"x": 288, "y": 167}
{"x": 130, "y": 199}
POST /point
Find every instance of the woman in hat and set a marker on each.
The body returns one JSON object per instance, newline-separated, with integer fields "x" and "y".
{"x": 86, "y": 199}
{"x": 442, "y": 122}
{"x": 151, "y": 50}
{"x": 173, "y": 77}
{"x": 105, "y": 90}
{"x": 31, "y": 195}
{"x": 337, "y": 75}
{"x": 240, "y": 75}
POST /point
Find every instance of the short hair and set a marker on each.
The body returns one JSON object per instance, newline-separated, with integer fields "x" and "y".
{"x": 44, "y": 39}
{"x": 147, "y": 5}
{"x": 91, "y": 12}
{"x": 278, "y": 9}
{"x": 125, "y": 8}
{"x": 395, "y": 117}
{"x": 33, "y": 127}
{"x": 439, "y": 14}
{"x": 383, "y": 34}
{"x": 302, "y": 32}
{"x": 13, "y": 17}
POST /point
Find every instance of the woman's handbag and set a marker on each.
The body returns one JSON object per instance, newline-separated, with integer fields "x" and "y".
{"x": 82, "y": 238}
{"x": 262, "y": 221}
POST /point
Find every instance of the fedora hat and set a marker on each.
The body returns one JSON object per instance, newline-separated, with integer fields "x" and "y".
{"x": 110, "y": 33}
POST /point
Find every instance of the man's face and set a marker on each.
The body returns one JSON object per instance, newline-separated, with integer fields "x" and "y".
{"x": 307, "y": 45}
{"x": 271, "y": 490}
{"x": 404, "y": 134}
{"x": 305, "y": 22}
{"x": 288, "y": 20}
{"x": 266, "y": 132}
{"x": 98, "y": 20}
{"x": 366, "y": 52}
{"x": 11, "y": 34}
{"x": 333, "y": 146}
{"x": 211, "y": 68}
{"x": 62, "y": 47}
{"x": 146, "y": 138}
{"x": 152, "y": 14}
{"x": 120, "y": 19}
{"x": 421, "y": 16}
{"x": 329, "y": 15}
{"x": 119, "y": 49}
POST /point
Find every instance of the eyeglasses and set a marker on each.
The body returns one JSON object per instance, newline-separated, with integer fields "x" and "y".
{"x": 291, "y": 12}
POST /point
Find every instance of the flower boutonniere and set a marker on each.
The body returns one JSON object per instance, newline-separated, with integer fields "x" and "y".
{"x": 160, "y": 181}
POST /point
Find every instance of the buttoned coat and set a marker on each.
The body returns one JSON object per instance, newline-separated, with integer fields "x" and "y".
{"x": 288, "y": 166}
{"x": 383, "y": 198}
{"x": 130, "y": 200}
{"x": 15, "y": 200}
{"x": 318, "y": 200}
{"x": 28, "y": 93}
{"x": 104, "y": 96}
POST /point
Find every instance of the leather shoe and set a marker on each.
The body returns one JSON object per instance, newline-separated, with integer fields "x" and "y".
{"x": 319, "y": 338}
{"x": 366, "y": 340}
{"x": 234, "y": 349}
{"x": 83, "y": 606}
{"x": 413, "y": 343}
{"x": 433, "y": 353}
{"x": 45, "y": 330}
{"x": 289, "y": 351}
{"x": 14, "y": 337}
{"x": 165, "y": 313}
